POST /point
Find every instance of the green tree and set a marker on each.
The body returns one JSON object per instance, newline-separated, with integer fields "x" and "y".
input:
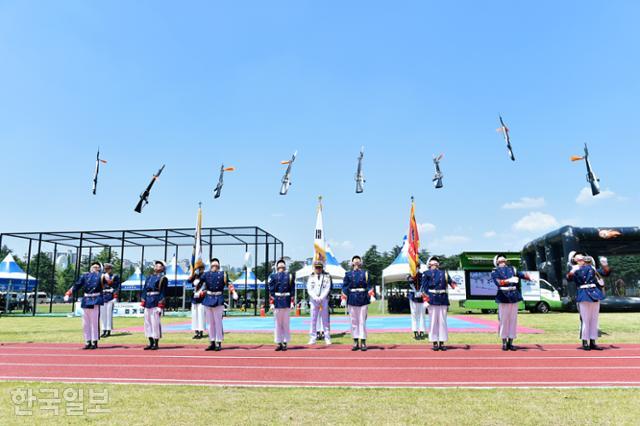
{"x": 373, "y": 261}
{"x": 41, "y": 268}
{"x": 4, "y": 251}
{"x": 65, "y": 279}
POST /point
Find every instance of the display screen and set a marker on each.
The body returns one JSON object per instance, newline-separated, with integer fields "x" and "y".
{"x": 481, "y": 284}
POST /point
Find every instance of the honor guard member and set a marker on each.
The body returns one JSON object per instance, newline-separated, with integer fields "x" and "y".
{"x": 318, "y": 287}
{"x": 508, "y": 297}
{"x": 153, "y": 302}
{"x": 214, "y": 283}
{"x": 589, "y": 293}
{"x": 417, "y": 303}
{"x": 197, "y": 308}
{"x": 91, "y": 286}
{"x": 110, "y": 290}
{"x": 357, "y": 293}
{"x": 435, "y": 283}
{"x": 282, "y": 301}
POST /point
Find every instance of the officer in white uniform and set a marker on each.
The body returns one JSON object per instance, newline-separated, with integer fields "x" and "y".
{"x": 110, "y": 290}
{"x": 318, "y": 287}
{"x": 214, "y": 283}
{"x": 417, "y": 304}
{"x": 197, "y": 308}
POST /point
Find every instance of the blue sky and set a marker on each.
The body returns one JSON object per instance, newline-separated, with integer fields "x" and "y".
{"x": 194, "y": 84}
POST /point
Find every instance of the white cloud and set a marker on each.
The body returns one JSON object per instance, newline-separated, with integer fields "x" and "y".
{"x": 586, "y": 198}
{"x": 340, "y": 244}
{"x": 535, "y": 222}
{"x": 490, "y": 234}
{"x": 426, "y": 227}
{"x": 454, "y": 239}
{"x": 525, "y": 203}
{"x": 449, "y": 244}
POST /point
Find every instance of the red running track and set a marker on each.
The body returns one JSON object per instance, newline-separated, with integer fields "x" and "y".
{"x": 303, "y": 366}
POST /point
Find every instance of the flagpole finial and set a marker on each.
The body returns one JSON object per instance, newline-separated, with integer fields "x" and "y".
{"x": 200, "y": 204}
{"x": 412, "y": 198}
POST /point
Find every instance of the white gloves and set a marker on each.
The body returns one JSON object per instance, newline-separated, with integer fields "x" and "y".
{"x": 513, "y": 280}
{"x": 604, "y": 261}
{"x": 372, "y": 299}
{"x": 66, "y": 298}
{"x": 343, "y": 303}
{"x": 575, "y": 268}
{"x": 272, "y": 307}
{"x": 234, "y": 295}
{"x": 293, "y": 305}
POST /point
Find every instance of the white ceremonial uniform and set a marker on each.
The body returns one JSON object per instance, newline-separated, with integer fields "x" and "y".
{"x": 152, "y": 326}
{"x": 318, "y": 288}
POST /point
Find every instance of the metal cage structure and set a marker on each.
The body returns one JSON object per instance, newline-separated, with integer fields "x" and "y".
{"x": 263, "y": 246}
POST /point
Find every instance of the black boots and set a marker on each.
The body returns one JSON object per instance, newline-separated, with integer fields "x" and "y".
{"x": 363, "y": 345}
{"x": 442, "y": 347}
{"x": 510, "y": 345}
{"x": 416, "y": 336}
{"x": 585, "y": 345}
{"x": 356, "y": 345}
{"x": 152, "y": 344}
{"x": 106, "y": 333}
{"x": 280, "y": 347}
{"x": 505, "y": 345}
{"x": 198, "y": 335}
{"x": 593, "y": 346}
{"x": 89, "y": 345}
{"x": 422, "y": 336}
{"x": 215, "y": 346}
{"x": 435, "y": 347}
{"x": 94, "y": 345}
{"x": 155, "y": 344}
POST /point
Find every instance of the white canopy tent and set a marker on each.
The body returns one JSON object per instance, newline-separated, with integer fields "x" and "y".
{"x": 134, "y": 282}
{"x": 13, "y": 278}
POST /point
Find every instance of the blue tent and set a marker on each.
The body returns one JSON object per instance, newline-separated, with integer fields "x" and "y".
{"x": 134, "y": 282}
{"x": 13, "y": 278}
{"x": 239, "y": 282}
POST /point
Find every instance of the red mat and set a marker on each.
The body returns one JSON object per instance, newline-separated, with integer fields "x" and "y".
{"x": 300, "y": 366}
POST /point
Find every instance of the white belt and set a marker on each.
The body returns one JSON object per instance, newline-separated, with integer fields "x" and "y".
{"x": 508, "y": 288}
{"x": 92, "y": 294}
{"x": 214, "y": 293}
{"x": 588, "y": 286}
{"x": 281, "y": 294}
{"x": 108, "y": 290}
{"x": 357, "y": 290}
{"x": 153, "y": 293}
{"x": 437, "y": 291}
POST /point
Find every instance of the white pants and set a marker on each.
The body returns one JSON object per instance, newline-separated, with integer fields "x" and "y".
{"x": 152, "y": 327}
{"x": 589, "y": 315}
{"x": 508, "y": 317}
{"x": 197, "y": 317}
{"x": 281, "y": 331}
{"x": 417, "y": 316}
{"x": 438, "y": 330}
{"x": 319, "y": 313}
{"x": 358, "y": 316}
{"x": 214, "y": 319}
{"x": 90, "y": 324}
{"x": 106, "y": 315}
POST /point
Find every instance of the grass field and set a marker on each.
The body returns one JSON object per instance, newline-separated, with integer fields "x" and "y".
{"x": 169, "y": 405}
{"x": 199, "y": 405}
